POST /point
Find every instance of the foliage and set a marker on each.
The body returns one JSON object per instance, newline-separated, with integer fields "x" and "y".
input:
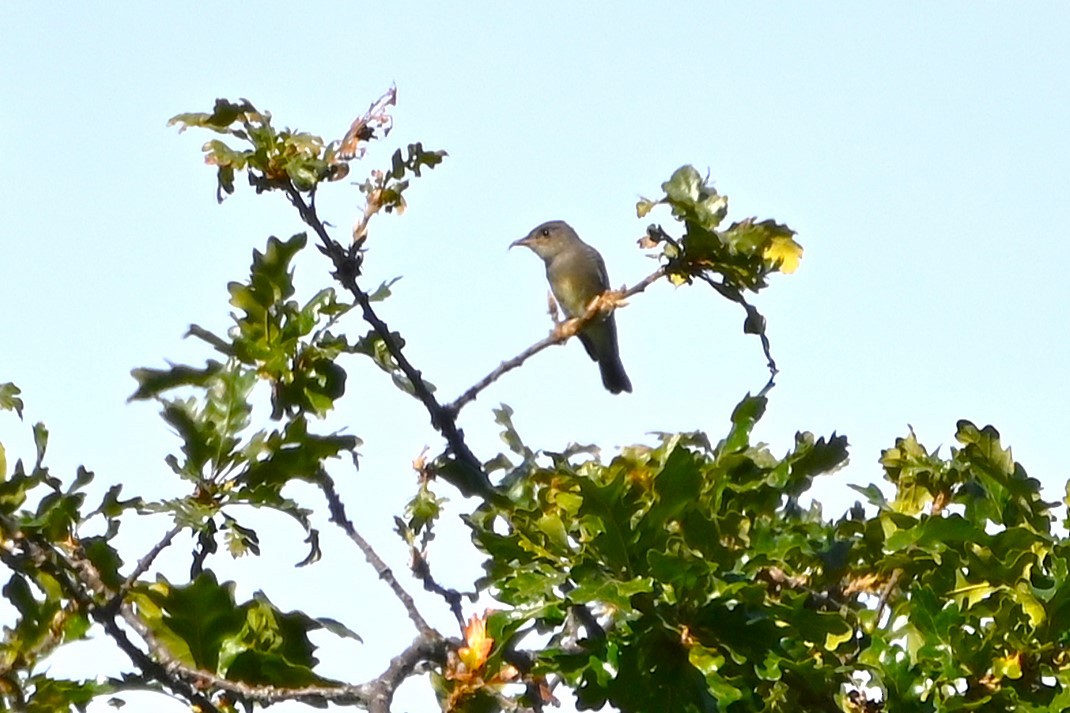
{"x": 689, "y": 574}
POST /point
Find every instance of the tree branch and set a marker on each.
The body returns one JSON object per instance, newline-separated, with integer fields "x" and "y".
{"x": 754, "y": 324}
{"x": 380, "y": 692}
{"x": 346, "y": 269}
{"x": 339, "y": 517}
{"x": 82, "y": 583}
{"x": 77, "y": 588}
{"x": 421, "y": 568}
{"x": 143, "y": 565}
{"x": 559, "y": 335}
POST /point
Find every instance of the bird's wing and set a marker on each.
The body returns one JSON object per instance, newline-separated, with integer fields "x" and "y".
{"x": 588, "y": 344}
{"x": 602, "y": 274}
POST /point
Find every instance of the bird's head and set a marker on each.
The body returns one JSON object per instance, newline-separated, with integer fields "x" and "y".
{"x": 548, "y": 239}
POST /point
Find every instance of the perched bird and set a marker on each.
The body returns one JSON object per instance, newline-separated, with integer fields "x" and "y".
{"x": 577, "y": 274}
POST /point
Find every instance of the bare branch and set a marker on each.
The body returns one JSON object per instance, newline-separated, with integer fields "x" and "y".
{"x": 143, "y": 565}
{"x": 421, "y": 568}
{"x": 558, "y": 336}
{"x": 339, "y": 517}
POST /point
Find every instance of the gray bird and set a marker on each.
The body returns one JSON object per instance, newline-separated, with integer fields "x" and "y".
{"x": 577, "y": 274}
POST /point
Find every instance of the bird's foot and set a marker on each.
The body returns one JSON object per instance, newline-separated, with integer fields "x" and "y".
{"x": 608, "y": 301}
{"x": 568, "y": 328}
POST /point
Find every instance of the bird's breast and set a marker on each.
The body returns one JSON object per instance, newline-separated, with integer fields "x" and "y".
{"x": 573, "y": 289}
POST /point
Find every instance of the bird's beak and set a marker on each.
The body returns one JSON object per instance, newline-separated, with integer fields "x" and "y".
{"x": 522, "y": 242}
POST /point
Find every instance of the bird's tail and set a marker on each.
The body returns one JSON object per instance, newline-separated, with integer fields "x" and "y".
{"x": 613, "y": 376}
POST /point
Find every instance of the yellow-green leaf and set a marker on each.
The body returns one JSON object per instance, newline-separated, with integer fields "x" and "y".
{"x": 833, "y": 640}
{"x": 971, "y": 592}
{"x": 1029, "y": 603}
{"x": 785, "y": 252}
{"x": 1007, "y": 666}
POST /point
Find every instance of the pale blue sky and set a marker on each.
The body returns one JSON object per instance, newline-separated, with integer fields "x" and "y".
{"x": 920, "y": 151}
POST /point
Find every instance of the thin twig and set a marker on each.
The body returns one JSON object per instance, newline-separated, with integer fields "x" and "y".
{"x": 339, "y": 517}
{"x": 421, "y": 568}
{"x": 559, "y": 335}
{"x": 882, "y": 601}
{"x": 143, "y": 565}
{"x": 755, "y": 322}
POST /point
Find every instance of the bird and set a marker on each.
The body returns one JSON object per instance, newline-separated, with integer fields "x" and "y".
{"x": 577, "y": 275}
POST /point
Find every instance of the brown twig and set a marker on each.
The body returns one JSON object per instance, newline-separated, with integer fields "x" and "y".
{"x": 421, "y": 569}
{"x": 559, "y": 335}
{"x": 143, "y": 565}
{"x": 82, "y": 583}
{"x": 754, "y": 324}
{"x": 882, "y": 601}
{"x": 339, "y": 517}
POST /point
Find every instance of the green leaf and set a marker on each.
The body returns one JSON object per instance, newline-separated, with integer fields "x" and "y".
{"x": 271, "y": 669}
{"x": 9, "y": 398}
{"x": 111, "y": 506}
{"x": 56, "y": 694}
{"x": 13, "y": 490}
{"x": 240, "y": 540}
{"x": 746, "y": 413}
{"x": 503, "y": 416}
{"x": 273, "y": 648}
{"x": 383, "y": 290}
{"x": 271, "y": 278}
{"x": 423, "y": 510}
{"x": 872, "y": 494}
{"x": 153, "y": 382}
{"x": 106, "y": 560}
{"x": 986, "y": 441}
{"x": 40, "y": 441}
{"x": 195, "y": 620}
{"x": 223, "y": 115}
{"x": 338, "y": 628}
{"x": 199, "y": 442}
{"x": 218, "y": 343}
{"x": 296, "y": 454}
{"x": 612, "y": 592}
{"x": 57, "y": 515}
{"x": 817, "y": 457}
{"x": 17, "y": 592}
{"x": 83, "y": 478}
{"x": 684, "y": 185}
{"x": 709, "y": 662}
{"x": 677, "y": 487}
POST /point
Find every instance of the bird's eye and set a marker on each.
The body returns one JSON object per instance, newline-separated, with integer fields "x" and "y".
{"x": 545, "y": 232}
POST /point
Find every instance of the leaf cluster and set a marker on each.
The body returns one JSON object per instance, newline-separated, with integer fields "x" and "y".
{"x": 691, "y": 577}
{"x": 741, "y": 255}
{"x": 272, "y": 158}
